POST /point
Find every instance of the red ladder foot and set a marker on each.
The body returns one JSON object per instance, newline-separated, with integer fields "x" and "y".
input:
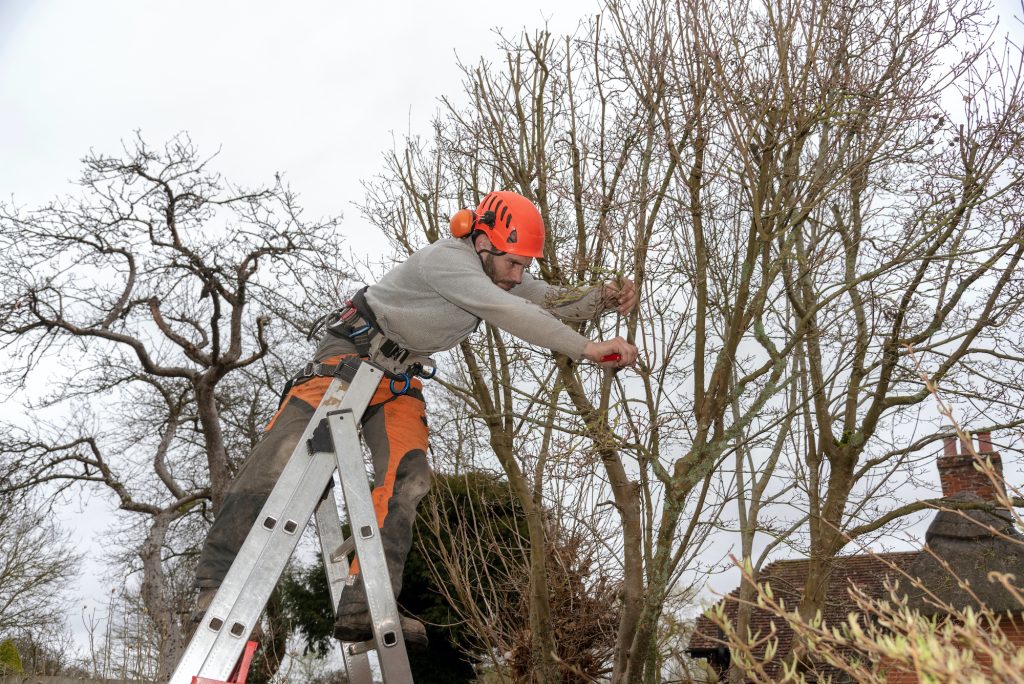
{"x": 241, "y": 670}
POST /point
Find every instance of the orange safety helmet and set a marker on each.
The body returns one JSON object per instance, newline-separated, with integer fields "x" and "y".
{"x": 509, "y": 220}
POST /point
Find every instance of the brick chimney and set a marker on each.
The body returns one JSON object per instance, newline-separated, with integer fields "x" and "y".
{"x": 957, "y": 470}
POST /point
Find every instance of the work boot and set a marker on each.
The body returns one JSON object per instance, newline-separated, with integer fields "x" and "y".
{"x": 203, "y": 602}
{"x": 357, "y": 627}
{"x": 353, "y": 623}
{"x": 353, "y": 597}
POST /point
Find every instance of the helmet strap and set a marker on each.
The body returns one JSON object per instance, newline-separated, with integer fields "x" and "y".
{"x": 492, "y": 252}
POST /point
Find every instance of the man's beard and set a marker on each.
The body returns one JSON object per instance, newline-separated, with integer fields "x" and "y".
{"x": 487, "y": 260}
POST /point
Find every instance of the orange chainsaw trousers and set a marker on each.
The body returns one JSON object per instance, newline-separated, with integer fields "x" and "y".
{"x": 394, "y": 428}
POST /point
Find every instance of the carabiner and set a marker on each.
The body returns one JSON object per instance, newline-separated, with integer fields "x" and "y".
{"x": 408, "y": 384}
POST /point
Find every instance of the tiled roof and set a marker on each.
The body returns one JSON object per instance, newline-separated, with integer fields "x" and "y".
{"x": 787, "y": 578}
{"x": 972, "y": 542}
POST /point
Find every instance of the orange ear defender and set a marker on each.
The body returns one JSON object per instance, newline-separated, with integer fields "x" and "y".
{"x": 465, "y": 220}
{"x": 462, "y": 223}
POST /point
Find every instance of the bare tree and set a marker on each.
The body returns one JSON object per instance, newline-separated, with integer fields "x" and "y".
{"x": 36, "y": 563}
{"x": 841, "y": 131}
{"x": 800, "y": 205}
{"x": 897, "y": 223}
{"x": 556, "y": 123}
{"x": 174, "y": 296}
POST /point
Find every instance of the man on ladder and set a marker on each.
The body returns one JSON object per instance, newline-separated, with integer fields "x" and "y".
{"x": 430, "y": 303}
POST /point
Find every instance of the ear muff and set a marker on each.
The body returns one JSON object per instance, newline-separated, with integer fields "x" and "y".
{"x": 465, "y": 220}
{"x": 462, "y": 223}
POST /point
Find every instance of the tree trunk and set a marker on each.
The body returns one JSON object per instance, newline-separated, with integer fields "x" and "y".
{"x": 826, "y": 537}
{"x": 213, "y": 435}
{"x": 543, "y": 651}
{"x": 159, "y": 605}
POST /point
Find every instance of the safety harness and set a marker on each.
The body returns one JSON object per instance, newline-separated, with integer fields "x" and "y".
{"x": 355, "y": 322}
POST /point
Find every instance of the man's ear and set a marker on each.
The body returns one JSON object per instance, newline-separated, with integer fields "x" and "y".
{"x": 482, "y": 243}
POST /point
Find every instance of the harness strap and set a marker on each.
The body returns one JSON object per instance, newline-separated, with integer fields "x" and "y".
{"x": 345, "y": 369}
{"x": 351, "y": 325}
{"x": 362, "y": 306}
{"x": 357, "y": 323}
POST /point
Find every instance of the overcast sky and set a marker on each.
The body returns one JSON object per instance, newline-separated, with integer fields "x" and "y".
{"x": 314, "y": 90}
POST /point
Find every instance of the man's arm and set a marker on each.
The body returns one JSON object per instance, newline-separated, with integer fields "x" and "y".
{"x": 582, "y": 304}
{"x": 613, "y": 353}
{"x": 579, "y": 303}
{"x": 464, "y": 284}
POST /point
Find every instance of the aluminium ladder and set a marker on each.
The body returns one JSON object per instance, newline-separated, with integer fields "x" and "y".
{"x": 330, "y": 442}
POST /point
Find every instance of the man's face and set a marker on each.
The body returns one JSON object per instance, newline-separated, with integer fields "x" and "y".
{"x": 505, "y": 271}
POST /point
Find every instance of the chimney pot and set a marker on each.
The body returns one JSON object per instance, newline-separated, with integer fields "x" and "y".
{"x": 984, "y": 442}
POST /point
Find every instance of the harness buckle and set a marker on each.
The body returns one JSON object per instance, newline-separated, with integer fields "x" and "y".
{"x": 397, "y": 362}
{"x": 348, "y": 313}
{"x": 308, "y": 370}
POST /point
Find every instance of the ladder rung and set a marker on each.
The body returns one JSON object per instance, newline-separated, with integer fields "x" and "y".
{"x": 357, "y": 647}
{"x": 361, "y": 647}
{"x": 344, "y": 550}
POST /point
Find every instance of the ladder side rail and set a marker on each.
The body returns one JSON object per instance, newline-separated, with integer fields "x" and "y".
{"x": 231, "y": 632}
{"x": 222, "y": 616}
{"x": 212, "y": 653}
{"x": 387, "y": 629}
{"x": 328, "y": 527}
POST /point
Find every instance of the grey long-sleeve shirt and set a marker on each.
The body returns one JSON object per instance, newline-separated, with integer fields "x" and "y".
{"x": 435, "y": 299}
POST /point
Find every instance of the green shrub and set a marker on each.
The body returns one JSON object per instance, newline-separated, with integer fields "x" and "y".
{"x": 10, "y": 661}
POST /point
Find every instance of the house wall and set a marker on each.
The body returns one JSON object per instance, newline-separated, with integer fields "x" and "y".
{"x": 1012, "y": 628}
{"x": 1015, "y": 631}
{"x": 901, "y": 677}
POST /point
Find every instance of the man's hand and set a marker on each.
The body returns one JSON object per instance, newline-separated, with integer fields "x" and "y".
{"x": 595, "y": 351}
{"x": 621, "y": 295}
